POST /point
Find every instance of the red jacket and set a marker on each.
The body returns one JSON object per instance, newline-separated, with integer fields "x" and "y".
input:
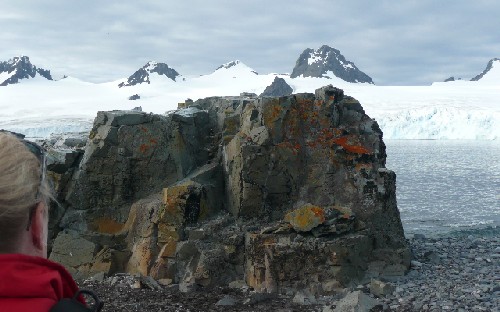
{"x": 32, "y": 283}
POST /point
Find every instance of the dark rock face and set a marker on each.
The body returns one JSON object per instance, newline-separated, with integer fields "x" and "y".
{"x": 449, "y": 79}
{"x": 279, "y": 87}
{"x": 133, "y": 154}
{"x": 486, "y": 70}
{"x": 317, "y": 63}
{"x": 21, "y": 68}
{"x": 286, "y": 193}
{"x": 129, "y": 155}
{"x": 142, "y": 75}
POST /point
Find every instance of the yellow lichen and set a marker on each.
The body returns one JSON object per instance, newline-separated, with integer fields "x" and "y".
{"x": 306, "y": 217}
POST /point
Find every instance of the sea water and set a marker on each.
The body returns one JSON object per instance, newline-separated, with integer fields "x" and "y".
{"x": 446, "y": 186}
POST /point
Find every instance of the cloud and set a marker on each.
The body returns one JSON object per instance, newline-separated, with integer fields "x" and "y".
{"x": 410, "y": 42}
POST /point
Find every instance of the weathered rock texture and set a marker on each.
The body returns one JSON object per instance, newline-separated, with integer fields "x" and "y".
{"x": 287, "y": 193}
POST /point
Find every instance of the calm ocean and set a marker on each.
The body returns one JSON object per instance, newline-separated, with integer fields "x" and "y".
{"x": 446, "y": 186}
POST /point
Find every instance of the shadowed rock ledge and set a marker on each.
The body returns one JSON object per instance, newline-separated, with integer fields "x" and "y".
{"x": 286, "y": 194}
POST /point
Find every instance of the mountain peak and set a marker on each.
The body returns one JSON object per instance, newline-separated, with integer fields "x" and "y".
{"x": 18, "y": 68}
{"x": 495, "y": 62}
{"x": 143, "y": 74}
{"x": 236, "y": 64}
{"x": 229, "y": 65}
{"x": 278, "y": 87}
{"x": 19, "y": 59}
{"x": 317, "y": 63}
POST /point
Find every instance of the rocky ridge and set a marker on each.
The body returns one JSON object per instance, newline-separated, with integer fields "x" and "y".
{"x": 18, "y": 68}
{"x": 326, "y": 60}
{"x": 142, "y": 75}
{"x": 284, "y": 195}
{"x": 489, "y": 66}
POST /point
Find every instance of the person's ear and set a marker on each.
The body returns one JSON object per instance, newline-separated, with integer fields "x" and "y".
{"x": 38, "y": 227}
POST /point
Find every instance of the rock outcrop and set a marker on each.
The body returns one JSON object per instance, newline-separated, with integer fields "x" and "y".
{"x": 19, "y": 68}
{"x": 279, "y": 87}
{"x": 287, "y": 193}
{"x": 325, "y": 62}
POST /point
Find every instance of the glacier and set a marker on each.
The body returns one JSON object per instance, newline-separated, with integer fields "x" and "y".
{"x": 442, "y": 111}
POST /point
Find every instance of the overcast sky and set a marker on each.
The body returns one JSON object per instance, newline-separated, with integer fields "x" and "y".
{"x": 394, "y": 42}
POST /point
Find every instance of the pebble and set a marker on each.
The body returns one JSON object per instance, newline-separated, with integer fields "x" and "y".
{"x": 465, "y": 278}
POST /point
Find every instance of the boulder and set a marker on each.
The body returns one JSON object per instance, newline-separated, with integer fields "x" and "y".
{"x": 380, "y": 288}
{"x": 75, "y": 252}
{"x": 355, "y": 301}
{"x": 288, "y": 194}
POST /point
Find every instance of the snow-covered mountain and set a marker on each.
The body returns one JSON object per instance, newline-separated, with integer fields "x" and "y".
{"x": 327, "y": 62}
{"x": 19, "y": 68}
{"x": 149, "y": 72}
{"x": 235, "y": 65}
{"x": 491, "y": 73}
{"x": 453, "y": 110}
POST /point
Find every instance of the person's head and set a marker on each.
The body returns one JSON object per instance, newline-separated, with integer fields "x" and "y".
{"x": 24, "y": 197}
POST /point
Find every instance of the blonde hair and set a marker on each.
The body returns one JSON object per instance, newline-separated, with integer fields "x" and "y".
{"x": 20, "y": 182}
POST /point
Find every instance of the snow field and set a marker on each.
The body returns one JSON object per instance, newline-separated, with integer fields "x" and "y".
{"x": 452, "y": 110}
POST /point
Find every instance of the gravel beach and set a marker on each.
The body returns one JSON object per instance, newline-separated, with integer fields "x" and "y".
{"x": 459, "y": 272}
{"x": 455, "y": 273}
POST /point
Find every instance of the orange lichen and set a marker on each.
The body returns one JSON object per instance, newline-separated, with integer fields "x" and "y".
{"x": 272, "y": 113}
{"x": 319, "y": 212}
{"x": 169, "y": 249}
{"x": 144, "y": 148}
{"x": 306, "y": 218}
{"x": 356, "y": 149}
{"x": 107, "y": 226}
